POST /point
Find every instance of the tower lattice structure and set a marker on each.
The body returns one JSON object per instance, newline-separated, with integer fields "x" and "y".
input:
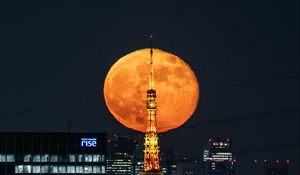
{"x": 151, "y": 148}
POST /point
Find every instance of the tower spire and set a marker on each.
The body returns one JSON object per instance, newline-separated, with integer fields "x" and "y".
{"x": 151, "y": 83}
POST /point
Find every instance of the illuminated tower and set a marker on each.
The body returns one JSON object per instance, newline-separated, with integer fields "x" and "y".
{"x": 151, "y": 148}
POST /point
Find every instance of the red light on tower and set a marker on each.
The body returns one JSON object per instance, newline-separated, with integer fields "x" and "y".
{"x": 288, "y": 161}
{"x": 265, "y": 161}
{"x": 209, "y": 139}
{"x": 277, "y": 161}
{"x": 255, "y": 161}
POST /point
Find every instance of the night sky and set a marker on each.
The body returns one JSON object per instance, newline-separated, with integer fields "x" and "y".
{"x": 55, "y": 55}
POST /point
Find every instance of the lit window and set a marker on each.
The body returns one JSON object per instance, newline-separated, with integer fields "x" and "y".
{"x": 2, "y": 158}
{"x": 88, "y": 158}
{"x": 96, "y": 169}
{"x": 53, "y": 158}
{"x": 45, "y": 169}
{"x": 19, "y": 169}
{"x": 27, "y": 157}
{"x": 103, "y": 169}
{"x": 97, "y": 158}
{"x": 71, "y": 158}
{"x": 80, "y": 158}
{"x": 70, "y": 169}
{"x": 36, "y": 169}
{"x": 53, "y": 169}
{"x": 44, "y": 158}
{"x": 102, "y": 158}
{"x": 87, "y": 169}
{"x": 10, "y": 158}
{"x": 27, "y": 168}
{"x": 79, "y": 169}
{"x": 36, "y": 158}
{"x": 62, "y": 169}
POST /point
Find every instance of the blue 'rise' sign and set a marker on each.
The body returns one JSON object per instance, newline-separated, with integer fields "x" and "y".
{"x": 88, "y": 142}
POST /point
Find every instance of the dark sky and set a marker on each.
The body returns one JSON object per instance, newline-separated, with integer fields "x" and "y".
{"x": 55, "y": 55}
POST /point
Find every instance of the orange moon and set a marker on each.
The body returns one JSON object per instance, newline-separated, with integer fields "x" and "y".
{"x": 126, "y": 84}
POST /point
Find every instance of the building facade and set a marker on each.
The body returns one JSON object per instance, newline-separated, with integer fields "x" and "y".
{"x": 217, "y": 157}
{"x": 189, "y": 166}
{"x": 120, "y": 156}
{"x": 52, "y": 153}
{"x": 168, "y": 161}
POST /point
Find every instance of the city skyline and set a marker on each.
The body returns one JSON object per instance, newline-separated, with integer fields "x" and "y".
{"x": 55, "y": 56}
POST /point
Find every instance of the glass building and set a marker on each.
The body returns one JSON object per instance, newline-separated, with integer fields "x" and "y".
{"x": 52, "y": 153}
{"x": 217, "y": 157}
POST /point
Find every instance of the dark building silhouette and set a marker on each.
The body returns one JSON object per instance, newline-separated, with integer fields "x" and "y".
{"x": 120, "y": 155}
{"x": 52, "y": 153}
{"x": 217, "y": 157}
{"x": 189, "y": 166}
{"x": 168, "y": 161}
{"x": 270, "y": 167}
{"x": 138, "y": 155}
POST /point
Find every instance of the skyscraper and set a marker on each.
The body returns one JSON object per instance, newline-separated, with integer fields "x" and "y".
{"x": 217, "y": 157}
{"x": 138, "y": 157}
{"x": 120, "y": 156}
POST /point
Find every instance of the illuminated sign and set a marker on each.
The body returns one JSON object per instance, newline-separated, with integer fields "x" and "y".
{"x": 88, "y": 142}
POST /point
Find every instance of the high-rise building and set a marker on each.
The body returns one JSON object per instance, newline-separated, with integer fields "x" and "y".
{"x": 270, "y": 167}
{"x": 217, "y": 157}
{"x": 167, "y": 161}
{"x": 120, "y": 163}
{"x": 138, "y": 158}
{"x": 188, "y": 166}
{"x": 120, "y": 156}
{"x": 52, "y": 153}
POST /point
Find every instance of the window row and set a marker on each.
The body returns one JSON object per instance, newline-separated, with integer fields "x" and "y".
{"x": 54, "y": 158}
{"x": 69, "y": 169}
{"x": 68, "y": 158}
{"x": 7, "y": 158}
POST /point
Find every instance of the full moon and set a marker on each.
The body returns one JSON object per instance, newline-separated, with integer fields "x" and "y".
{"x": 127, "y": 82}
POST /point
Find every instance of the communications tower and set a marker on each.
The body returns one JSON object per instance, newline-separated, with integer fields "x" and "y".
{"x": 151, "y": 148}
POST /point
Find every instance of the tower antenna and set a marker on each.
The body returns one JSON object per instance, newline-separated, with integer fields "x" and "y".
{"x": 151, "y": 83}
